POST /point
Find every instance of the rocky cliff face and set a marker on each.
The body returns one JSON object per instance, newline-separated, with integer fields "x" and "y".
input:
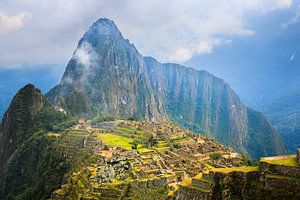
{"x": 107, "y": 75}
{"x": 201, "y": 102}
{"x": 18, "y": 120}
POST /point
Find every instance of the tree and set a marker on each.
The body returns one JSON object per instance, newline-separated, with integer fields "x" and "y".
{"x": 215, "y": 155}
{"x": 134, "y": 144}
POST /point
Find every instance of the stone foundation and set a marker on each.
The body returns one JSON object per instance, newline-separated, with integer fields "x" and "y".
{"x": 273, "y": 180}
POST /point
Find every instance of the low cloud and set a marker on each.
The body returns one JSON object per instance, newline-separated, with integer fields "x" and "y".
{"x": 85, "y": 54}
{"x": 35, "y": 33}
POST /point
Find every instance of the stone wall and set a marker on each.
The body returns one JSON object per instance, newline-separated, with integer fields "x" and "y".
{"x": 269, "y": 182}
{"x": 280, "y": 169}
{"x": 190, "y": 193}
{"x": 148, "y": 189}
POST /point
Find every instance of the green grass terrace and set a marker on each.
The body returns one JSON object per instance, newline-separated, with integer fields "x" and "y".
{"x": 236, "y": 169}
{"x": 289, "y": 160}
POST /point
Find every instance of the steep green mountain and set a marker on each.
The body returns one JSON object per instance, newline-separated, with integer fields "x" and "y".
{"x": 30, "y": 164}
{"x": 108, "y": 76}
{"x": 18, "y": 120}
{"x": 284, "y": 114}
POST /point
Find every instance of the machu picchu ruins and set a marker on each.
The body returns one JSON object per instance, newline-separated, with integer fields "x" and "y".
{"x": 126, "y": 159}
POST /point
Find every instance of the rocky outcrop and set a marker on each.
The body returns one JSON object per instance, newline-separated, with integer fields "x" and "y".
{"x": 113, "y": 79}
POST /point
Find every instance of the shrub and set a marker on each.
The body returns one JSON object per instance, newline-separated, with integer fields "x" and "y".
{"x": 215, "y": 155}
{"x": 134, "y": 144}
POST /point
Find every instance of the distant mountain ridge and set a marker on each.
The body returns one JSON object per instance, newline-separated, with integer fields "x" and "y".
{"x": 284, "y": 114}
{"x": 109, "y": 77}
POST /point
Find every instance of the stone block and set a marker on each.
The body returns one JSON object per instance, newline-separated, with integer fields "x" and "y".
{"x": 201, "y": 183}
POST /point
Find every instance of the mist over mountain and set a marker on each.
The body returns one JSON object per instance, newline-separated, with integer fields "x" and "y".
{"x": 109, "y": 77}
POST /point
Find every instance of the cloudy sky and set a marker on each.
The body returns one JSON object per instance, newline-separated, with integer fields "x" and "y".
{"x": 252, "y": 44}
{"x": 37, "y": 33}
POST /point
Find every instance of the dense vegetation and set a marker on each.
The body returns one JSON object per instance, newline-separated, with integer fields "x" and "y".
{"x": 263, "y": 137}
{"x": 34, "y": 165}
{"x": 50, "y": 119}
{"x": 34, "y": 170}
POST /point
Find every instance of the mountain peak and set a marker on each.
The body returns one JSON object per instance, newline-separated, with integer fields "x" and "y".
{"x": 102, "y": 28}
{"x": 104, "y": 24}
{"x": 104, "y": 21}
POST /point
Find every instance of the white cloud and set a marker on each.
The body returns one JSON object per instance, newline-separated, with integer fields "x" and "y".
{"x": 201, "y": 47}
{"x": 293, "y": 20}
{"x": 84, "y": 54}
{"x": 171, "y": 30}
{"x": 12, "y": 23}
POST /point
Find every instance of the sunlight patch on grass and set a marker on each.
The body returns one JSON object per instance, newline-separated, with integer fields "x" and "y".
{"x": 236, "y": 169}
{"x": 116, "y": 140}
{"x": 186, "y": 182}
{"x": 51, "y": 134}
{"x": 282, "y": 160}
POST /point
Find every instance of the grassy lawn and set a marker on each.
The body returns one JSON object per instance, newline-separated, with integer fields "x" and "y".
{"x": 208, "y": 166}
{"x": 129, "y": 130}
{"x": 162, "y": 143}
{"x": 120, "y": 141}
{"x": 237, "y": 169}
{"x": 51, "y": 134}
{"x": 185, "y": 140}
{"x": 116, "y": 140}
{"x": 198, "y": 176}
{"x": 186, "y": 182}
{"x": 287, "y": 161}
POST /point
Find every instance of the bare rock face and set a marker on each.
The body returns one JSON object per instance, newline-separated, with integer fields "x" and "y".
{"x": 19, "y": 120}
{"x": 106, "y": 75}
{"x": 108, "y": 72}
